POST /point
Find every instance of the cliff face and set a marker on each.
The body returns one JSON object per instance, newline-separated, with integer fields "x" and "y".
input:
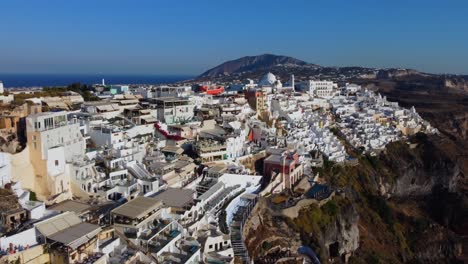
{"x": 341, "y": 238}
{"x": 423, "y": 165}
{"x": 457, "y": 83}
{"x": 272, "y": 235}
{"x": 405, "y": 205}
{"x": 397, "y": 73}
{"x": 268, "y": 236}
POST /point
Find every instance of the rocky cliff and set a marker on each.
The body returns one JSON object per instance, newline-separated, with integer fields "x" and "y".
{"x": 457, "y": 83}
{"x": 405, "y": 205}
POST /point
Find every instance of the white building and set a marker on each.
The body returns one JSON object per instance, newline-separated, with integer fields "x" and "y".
{"x": 322, "y": 89}
{"x": 165, "y": 91}
{"x": 5, "y": 169}
{"x": 174, "y": 110}
{"x": 352, "y": 88}
{"x": 54, "y": 142}
{"x": 270, "y": 80}
{"x": 105, "y": 109}
{"x": 5, "y": 99}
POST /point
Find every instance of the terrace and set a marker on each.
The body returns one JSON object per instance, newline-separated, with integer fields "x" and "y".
{"x": 136, "y": 211}
{"x": 163, "y": 237}
{"x": 154, "y": 228}
{"x": 92, "y": 258}
{"x": 121, "y": 255}
{"x": 186, "y": 253}
{"x": 218, "y": 198}
{"x": 205, "y": 185}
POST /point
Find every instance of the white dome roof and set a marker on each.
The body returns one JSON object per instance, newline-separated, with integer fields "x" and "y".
{"x": 268, "y": 79}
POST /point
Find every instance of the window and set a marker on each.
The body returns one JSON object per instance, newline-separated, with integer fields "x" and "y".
{"x": 35, "y": 145}
{"x": 34, "y": 137}
{"x": 48, "y": 122}
{"x": 210, "y": 247}
{"x": 56, "y": 163}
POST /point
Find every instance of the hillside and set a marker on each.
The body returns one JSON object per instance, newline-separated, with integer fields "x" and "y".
{"x": 254, "y": 67}
{"x": 252, "y": 63}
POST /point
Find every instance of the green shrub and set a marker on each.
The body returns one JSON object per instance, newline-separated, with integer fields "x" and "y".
{"x": 330, "y": 208}
{"x": 32, "y": 196}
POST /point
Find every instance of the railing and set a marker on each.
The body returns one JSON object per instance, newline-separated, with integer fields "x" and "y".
{"x": 162, "y": 240}
{"x": 219, "y": 198}
{"x": 237, "y": 241}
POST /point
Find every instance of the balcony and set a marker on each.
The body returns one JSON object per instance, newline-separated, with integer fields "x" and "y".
{"x": 160, "y": 241}
{"x": 131, "y": 233}
{"x": 154, "y": 227}
{"x": 121, "y": 220}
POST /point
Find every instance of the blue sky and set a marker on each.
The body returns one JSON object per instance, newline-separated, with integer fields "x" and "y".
{"x": 188, "y": 37}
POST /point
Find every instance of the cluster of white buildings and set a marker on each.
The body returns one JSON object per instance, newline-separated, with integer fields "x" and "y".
{"x": 166, "y": 174}
{"x": 132, "y": 160}
{"x": 369, "y": 121}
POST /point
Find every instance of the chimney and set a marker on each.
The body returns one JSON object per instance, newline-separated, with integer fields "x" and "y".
{"x": 292, "y": 82}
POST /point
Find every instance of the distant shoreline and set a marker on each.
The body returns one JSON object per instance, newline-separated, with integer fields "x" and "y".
{"x": 40, "y": 80}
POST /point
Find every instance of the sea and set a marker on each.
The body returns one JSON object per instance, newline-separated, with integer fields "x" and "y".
{"x": 40, "y": 80}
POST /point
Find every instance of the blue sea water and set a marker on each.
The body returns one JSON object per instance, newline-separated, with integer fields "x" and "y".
{"x": 39, "y": 80}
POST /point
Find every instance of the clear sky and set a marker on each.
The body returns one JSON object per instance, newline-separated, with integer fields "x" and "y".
{"x": 188, "y": 37}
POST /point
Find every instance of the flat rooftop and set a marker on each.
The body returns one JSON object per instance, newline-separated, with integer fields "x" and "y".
{"x": 97, "y": 103}
{"x": 71, "y": 206}
{"x": 171, "y": 99}
{"x": 211, "y": 191}
{"x": 57, "y": 223}
{"x": 173, "y": 149}
{"x": 76, "y": 235}
{"x": 249, "y": 196}
{"x": 217, "y": 169}
{"x": 278, "y": 159}
{"x": 138, "y": 207}
{"x": 50, "y": 114}
{"x": 175, "y": 197}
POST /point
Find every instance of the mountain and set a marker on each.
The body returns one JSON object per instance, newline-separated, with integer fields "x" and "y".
{"x": 250, "y": 63}
{"x": 254, "y": 67}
